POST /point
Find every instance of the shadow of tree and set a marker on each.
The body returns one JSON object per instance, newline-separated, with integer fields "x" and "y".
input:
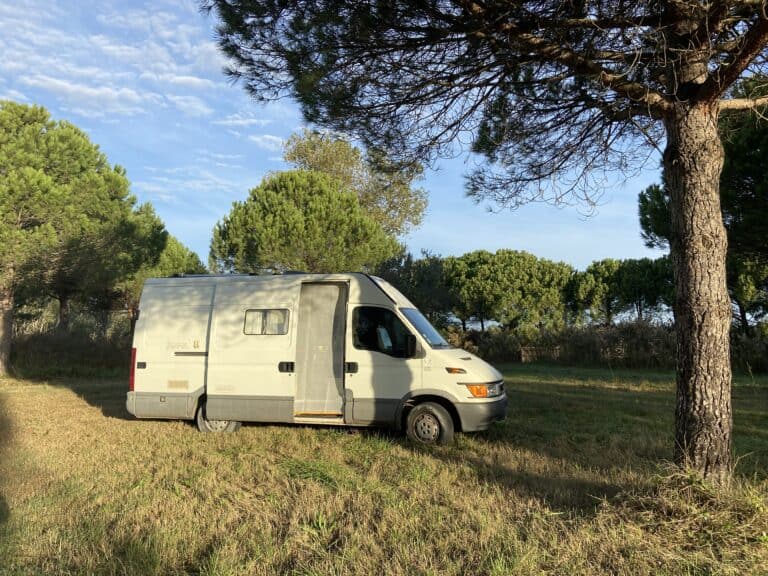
{"x": 566, "y": 446}
{"x": 5, "y": 448}
{"x": 106, "y": 394}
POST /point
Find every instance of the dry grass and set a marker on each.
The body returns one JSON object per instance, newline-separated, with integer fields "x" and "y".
{"x": 569, "y": 484}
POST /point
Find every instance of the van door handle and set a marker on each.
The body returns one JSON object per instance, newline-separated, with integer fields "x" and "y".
{"x": 286, "y": 366}
{"x": 350, "y": 367}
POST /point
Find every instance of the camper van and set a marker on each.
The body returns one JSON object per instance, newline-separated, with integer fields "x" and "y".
{"x": 330, "y": 349}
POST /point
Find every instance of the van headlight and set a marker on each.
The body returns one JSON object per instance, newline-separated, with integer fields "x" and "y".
{"x": 489, "y": 390}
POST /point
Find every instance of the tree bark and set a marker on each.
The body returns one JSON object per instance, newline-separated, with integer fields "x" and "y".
{"x": 743, "y": 320}
{"x": 6, "y": 330}
{"x": 693, "y": 161}
{"x": 64, "y": 310}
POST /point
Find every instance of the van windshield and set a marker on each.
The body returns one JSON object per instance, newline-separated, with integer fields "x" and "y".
{"x": 427, "y": 331}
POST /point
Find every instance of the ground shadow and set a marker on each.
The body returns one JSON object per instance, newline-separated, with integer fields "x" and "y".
{"x": 5, "y": 448}
{"x": 106, "y": 394}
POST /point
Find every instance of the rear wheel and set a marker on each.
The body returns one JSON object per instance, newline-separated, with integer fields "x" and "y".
{"x": 429, "y": 423}
{"x": 205, "y": 425}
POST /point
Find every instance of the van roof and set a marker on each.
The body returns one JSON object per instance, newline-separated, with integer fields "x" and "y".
{"x": 379, "y": 285}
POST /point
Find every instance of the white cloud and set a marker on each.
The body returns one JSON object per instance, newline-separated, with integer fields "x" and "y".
{"x": 116, "y": 50}
{"x": 225, "y": 156}
{"x": 267, "y": 142}
{"x": 15, "y": 95}
{"x": 190, "y": 105}
{"x": 191, "y": 179}
{"x": 100, "y": 100}
{"x": 182, "y": 80}
{"x": 241, "y": 120}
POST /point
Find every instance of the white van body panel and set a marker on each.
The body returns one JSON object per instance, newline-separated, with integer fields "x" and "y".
{"x": 237, "y": 342}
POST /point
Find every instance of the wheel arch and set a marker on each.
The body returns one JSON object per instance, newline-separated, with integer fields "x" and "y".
{"x": 419, "y": 397}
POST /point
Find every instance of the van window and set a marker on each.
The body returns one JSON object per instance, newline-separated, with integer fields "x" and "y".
{"x": 380, "y": 330}
{"x": 266, "y": 322}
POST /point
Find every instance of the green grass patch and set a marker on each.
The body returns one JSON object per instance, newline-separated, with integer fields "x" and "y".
{"x": 575, "y": 481}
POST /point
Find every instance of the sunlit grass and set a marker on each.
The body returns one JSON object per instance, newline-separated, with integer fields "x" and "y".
{"x": 574, "y": 482}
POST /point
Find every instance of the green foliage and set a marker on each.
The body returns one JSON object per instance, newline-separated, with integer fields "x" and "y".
{"x": 423, "y": 280}
{"x": 68, "y": 224}
{"x": 533, "y": 290}
{"x": 174, "y": 259}
{"x": 744, "y": 201}
{"x": 655, "y": 217}
{"x": 384, "y": 188}
{"x": 528, "y": 294}
{"x": 299, "y": 220}
{"x": 30, "y": 202}
{"x": 598, "y": 289}
{"x": 474, "y": 286}
{"x": 644, "y": 285}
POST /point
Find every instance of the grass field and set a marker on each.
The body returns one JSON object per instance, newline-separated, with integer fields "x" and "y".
{"x": 574, "y": 482}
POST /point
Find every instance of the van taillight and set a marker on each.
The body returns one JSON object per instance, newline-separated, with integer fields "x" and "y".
{"x": 132, "y": 378}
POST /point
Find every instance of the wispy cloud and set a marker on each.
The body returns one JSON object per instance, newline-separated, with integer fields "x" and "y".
{"x": 11, "y": 94}
{"x": 100, "y": 100}
{"x": 190, "y": 105}
{"x": 181, "y": 80}
{"x": 166, "y": 185}
{"x": 241, "y": 119}
{"x": 267, "y": 142}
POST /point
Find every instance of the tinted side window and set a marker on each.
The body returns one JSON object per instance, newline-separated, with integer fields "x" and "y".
{"x": 266, "y": 322}
{"x": 380, "y": 330}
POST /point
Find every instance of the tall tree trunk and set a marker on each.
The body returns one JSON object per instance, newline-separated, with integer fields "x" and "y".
{"x": 64, "y": 310}
{"x": 6, "y": 330}
{"x": 743, "y": 320}
{"x": 693, "y": 161}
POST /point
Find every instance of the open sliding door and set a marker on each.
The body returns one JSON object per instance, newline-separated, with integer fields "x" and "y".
{"x": 320, "y": 351}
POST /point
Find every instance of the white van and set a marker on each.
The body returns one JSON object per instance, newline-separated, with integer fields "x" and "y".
{"x": 332, "y": 349}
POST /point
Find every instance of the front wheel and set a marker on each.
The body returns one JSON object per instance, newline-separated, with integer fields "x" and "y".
{"x": 205, "y": 425}
{"x": 429, "y": 423}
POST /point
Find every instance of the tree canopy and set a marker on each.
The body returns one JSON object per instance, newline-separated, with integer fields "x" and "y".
{"x": 384, "y": 188}
{"x": 299, "y": 220}
{"x": 68, "y": 223}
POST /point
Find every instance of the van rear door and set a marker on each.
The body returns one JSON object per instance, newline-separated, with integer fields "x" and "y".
{"x": 171, "y": 341}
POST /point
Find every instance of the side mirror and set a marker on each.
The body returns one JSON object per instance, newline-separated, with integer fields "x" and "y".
{"x": 410, "y": 346}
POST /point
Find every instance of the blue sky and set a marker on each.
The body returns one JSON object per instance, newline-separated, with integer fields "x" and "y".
{"x": 144, "y": 80}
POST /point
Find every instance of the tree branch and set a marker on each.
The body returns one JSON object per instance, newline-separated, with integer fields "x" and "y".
{"x": 743, "y": 103}
{"x": 754, "y": 42}
{"x": 618, "y": 83}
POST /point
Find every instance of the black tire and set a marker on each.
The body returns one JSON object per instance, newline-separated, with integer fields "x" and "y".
{"x": 429, "y": 423}
{"x": 205, "y": 425}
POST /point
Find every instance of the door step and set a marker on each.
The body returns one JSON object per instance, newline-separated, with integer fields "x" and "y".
{"x": 331, "y": 419}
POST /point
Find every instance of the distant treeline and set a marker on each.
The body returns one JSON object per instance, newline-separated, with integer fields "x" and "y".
{"x": 511, "y": 306}
{"x": 518, "y": 291}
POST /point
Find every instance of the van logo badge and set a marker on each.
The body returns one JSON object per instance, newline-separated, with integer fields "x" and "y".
{"x": 196, "y": 344}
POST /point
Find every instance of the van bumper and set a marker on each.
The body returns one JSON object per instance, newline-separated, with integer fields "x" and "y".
{"x": 130, "y": 403}
{"x": 479, "y": 416}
